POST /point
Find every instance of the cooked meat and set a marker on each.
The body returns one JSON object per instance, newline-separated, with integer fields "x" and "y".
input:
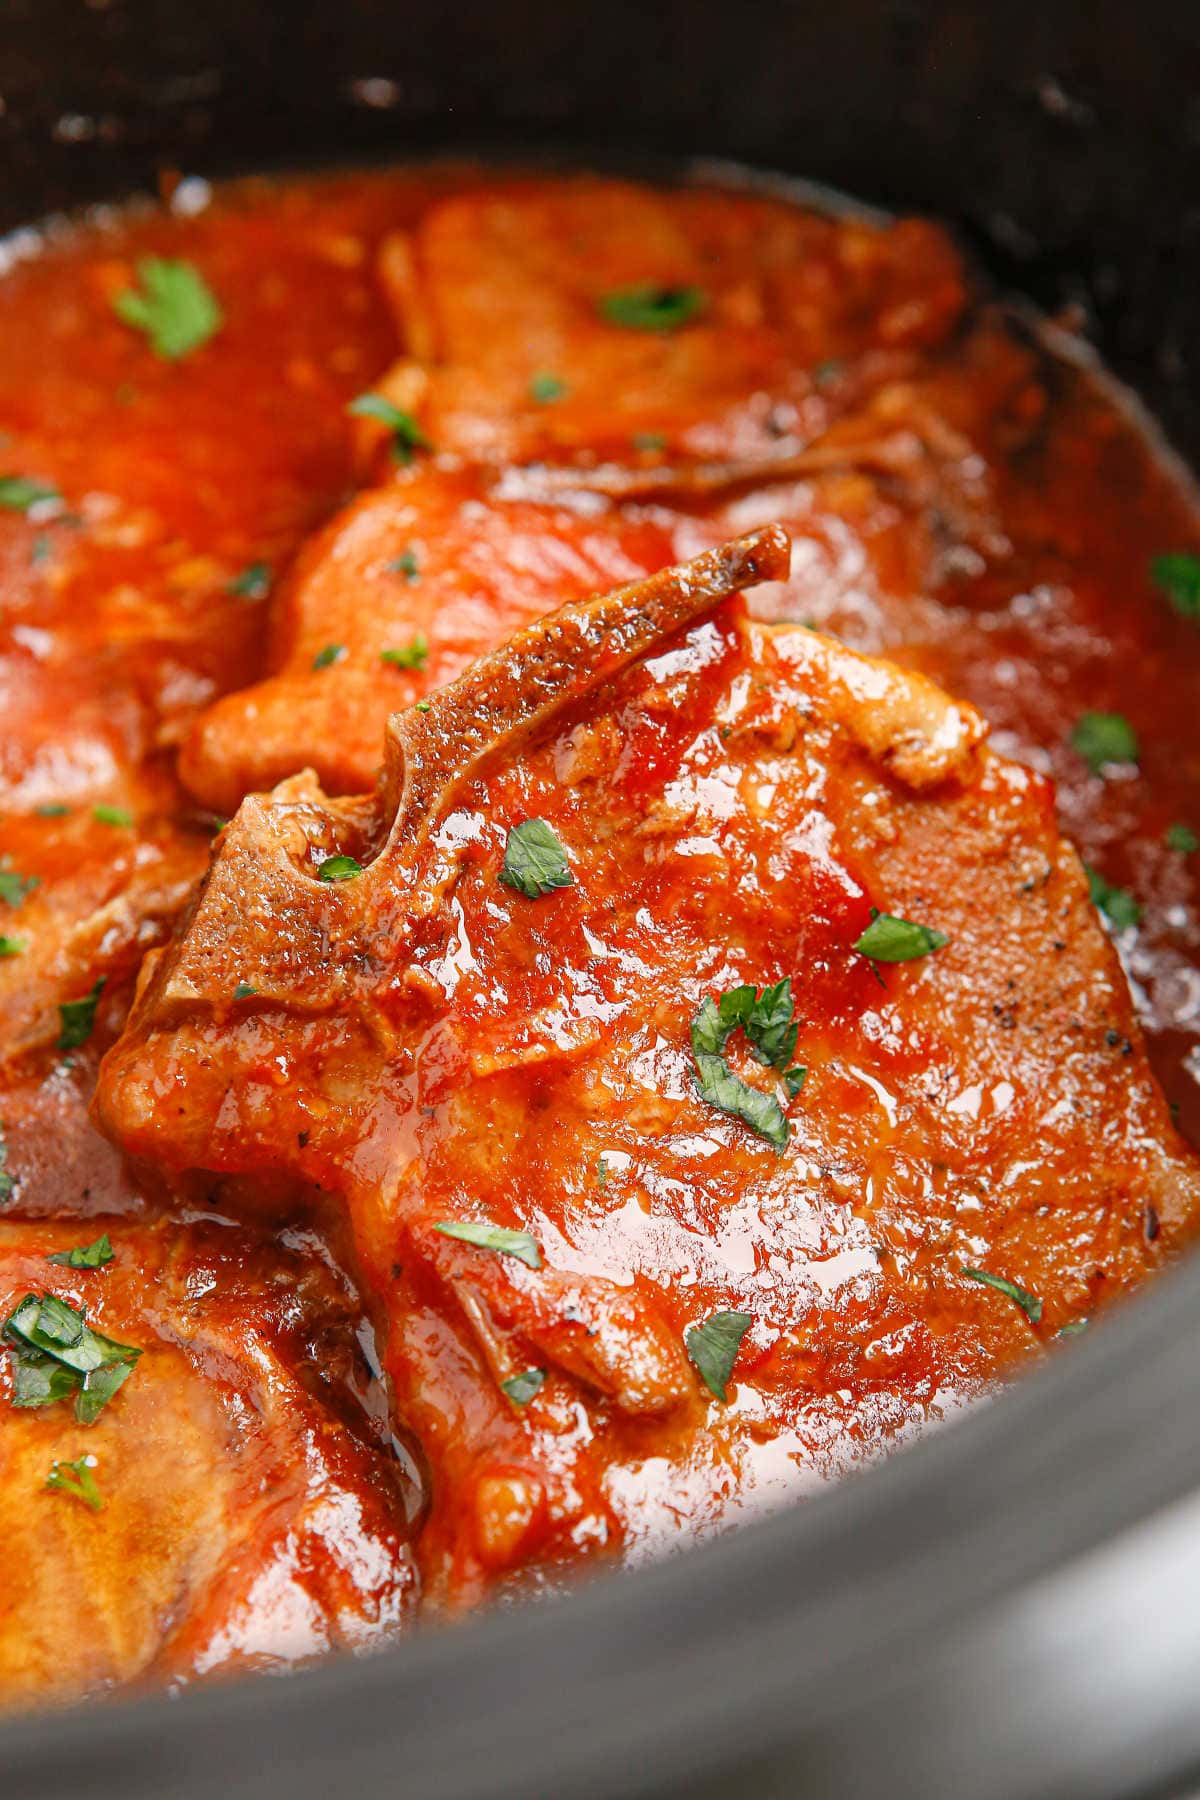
{"x": 581, "y": 1031}
{"x": 227, "y": 1518}
{"x": 592, "y": 321}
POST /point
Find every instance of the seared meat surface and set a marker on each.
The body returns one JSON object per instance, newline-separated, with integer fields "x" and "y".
{"x": 720, "y": 807}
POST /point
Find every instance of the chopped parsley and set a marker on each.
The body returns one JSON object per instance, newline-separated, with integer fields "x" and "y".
{"x": 7, "y": 1181}
{"x": 244, "y": 990}
{"x": 86, "y": 1256}
{"x": 1029, "y": 1303}
{"x": 1182, "y": 838}
{"x": 19, "y": 494}
{"x": 53, "y": 809}
{"x": 892, "y": 940}
{"x": 254, "y": 582}
{"x": 330, "y": 654}
{"x": 413, "y": 655}
{"x": 713, "y": 1348}
{"x": 11, "y": 946}
{"x": 521, "y": 1388}
{"x": 766, "y": 1021}
{"x": 1102, "y": 738}
{"x": 173, "y": 307}
{"x": 112, "y": 815}
{"x": 55, "y": 1354}
{"x": 602, "y": 1172}
{"x": 649, "y": 441}
{"x": 407, "y": 435}
{"x": 77, "y": 1480}
{"x": 1178, "y": 575}
{"x": 339, "y": 868}
{"x": 497, "y": 1238}
{"x": 15, "y": 888}
{"x": 827, "y": 372}
{"x": 423, "y": 705}
{"x": 405, "y": 564}
{"x": 535, "y": 862}
{"x": 546, "y": 388}
{"x": 78, "y": 1018}
{"x": 649, "y": 306}
{"x": 1072, "y": 1328}
{"x": 1116, "y": 903}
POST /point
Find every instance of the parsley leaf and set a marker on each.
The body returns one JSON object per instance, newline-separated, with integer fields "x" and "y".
{"x": 1102, "y": 738}
{"x": 1117, "y": 904}
{"x": 1183, "y": 839}
{"x": 546, "y": 388}
{"x": 1178, "y": 575}
{"x": 7, "y": 1181}
{"x": 175, "y": 309}
{"x": 497, "y": 1238}
{"x": 53, "y": 809}
{"x": 1072, "y": 1328}
{"x": 78, "y": 1018}
{"x": 535, "y": 862}
{"x": 1029, "y": 1303}
{"x": 19, "y": 494}
{"x": 770, "y": 1031}
{"x": 254, "y": 582}
{"x": 409, "y": 656}
{"x": 649, "y": 441}
{"x": 55, "y": 1354}
{"x": 405, "y": 564}
{"x": 15, "y": 888}
{"x": 649, "y": 306}
{"x": 521, "y": 1388}
{"x": 339, "y": 868}
{"x": 11, "y": 946}
{"x": 407, "y": 435}
{"x": 713, "y": 1348}
{"x": 244, "y": 990}
{"x": 112, "y": 815}
{"x": 892, "y": 940}
{"x": 77, "y": 1480}
{"x": 89, "y": 1256}
{"x": 330, "y": 654}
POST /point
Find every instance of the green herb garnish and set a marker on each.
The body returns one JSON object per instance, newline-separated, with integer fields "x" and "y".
{"x": 546, "y": 388}
{"x": 7, "y": 1182}
{"x": 1072, "y": 1328}
{"x": 173, "y": 307}
{"x": 1029, "y": 1303}
{"x": 1178, "y": 575}
{"x": 407, "y": 435}
{"x": 330, "y": 654}
{"x": 19, "y": 494}
{"x": 1183, "y": 839}
{"x": 243, "y": 990}
{"x": 77, "y": 1480}
{"x": 535, "y": 862}
{"x": 78, "y": 1018}
{"x": 713, "y": 1348}
{"x": 497, "y": 1238}
{"x": 1117, "y": 904}
{"x": 11, "y": 946}
{"x": 339, "y": 868}
{"x": 767, "y": 1023}
{"x": 254, "y": 582}
{"x": 649, "y": 441}
{"x": 88, "y": 1256}
{"x": 53, "y": 809}
{"x": 405, "y": 564}
{"x": 892, "y": 940}
{"x": 112, "y": 815}
{"x": 413, "y": 655}
{"x": 1103, "y": 738}
{"x": 649, "y": 306}
{"x": 55, "y": 1354}
{"x": 521, "y": 1388}
{"x": 14, "y": 888}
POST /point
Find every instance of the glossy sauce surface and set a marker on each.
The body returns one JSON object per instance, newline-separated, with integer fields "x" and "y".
{"x": 961, "y": 497}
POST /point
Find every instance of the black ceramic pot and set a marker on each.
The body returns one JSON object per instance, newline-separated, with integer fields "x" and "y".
{"x": 1011, "y": 1611}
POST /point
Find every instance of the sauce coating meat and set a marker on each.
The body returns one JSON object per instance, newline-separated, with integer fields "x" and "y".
{"x": 749, "y": 1023}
